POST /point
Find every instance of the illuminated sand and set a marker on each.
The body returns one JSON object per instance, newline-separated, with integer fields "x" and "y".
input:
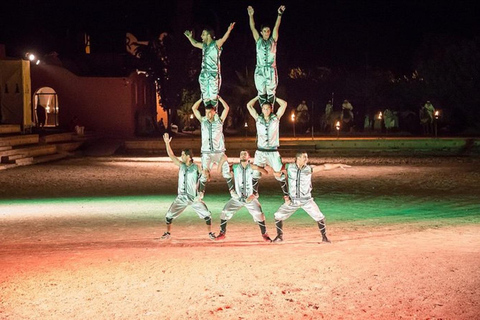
{"x": 80, "y": 241}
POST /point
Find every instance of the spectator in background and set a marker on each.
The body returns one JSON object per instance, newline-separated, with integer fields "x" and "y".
{"x": 41, "y": 116}
{"x": 303, "y": 117}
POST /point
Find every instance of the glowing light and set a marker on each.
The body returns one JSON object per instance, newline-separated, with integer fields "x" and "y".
{"x": 38, "y": 62}
{"x": 191, "y": 116}
{"x": 293, "y": 116}
{"x": 437, "y": 114}
{"x": 337, "y": 125}
{"x": 30, "y": 56}
{"x": 246, "y": 125}
{"x": 380, "y": 115}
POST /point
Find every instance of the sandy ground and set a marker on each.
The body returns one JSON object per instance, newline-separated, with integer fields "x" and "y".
{"x": 79, "y": 240}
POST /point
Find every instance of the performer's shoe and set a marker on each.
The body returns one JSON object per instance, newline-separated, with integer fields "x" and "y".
{"x": 287, "y": 200}
{"x": 278, "y": 238}
{"x": 266, "y": 238}
{"x": 221, "y": 236}
{"x": 211, "y": 236}
{"x": 165, "y": 236}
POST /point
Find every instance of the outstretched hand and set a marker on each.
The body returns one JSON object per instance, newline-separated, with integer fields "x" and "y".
{"x": 188, "y": 33}
{"x": 230, "y": 27}
{"x": 167, "y": 138}
{"x": 281, "y": 9}
{"x": 250, "y": 10}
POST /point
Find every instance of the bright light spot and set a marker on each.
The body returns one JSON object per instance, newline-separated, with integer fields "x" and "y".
{"x": 191, "y": 116}
{"x": 38, "y": 62}
{"x": 380, "y": 115}
{"x": 30, "y": 56}
{"x": 337, "y": 125}
{"x": 293, "y": 116}
{"x": 246, "y": 125}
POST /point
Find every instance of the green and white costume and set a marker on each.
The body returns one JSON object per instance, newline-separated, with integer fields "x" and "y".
{"x": 187, "y": 191}
{"x": 213, "y": 149}
{"x": 266, "y": 76}
{"x": 210, "y": 78}
{"x": 300, "y": 192}
{"x": 268, "y": 141}
{"x": 244, "y": 188}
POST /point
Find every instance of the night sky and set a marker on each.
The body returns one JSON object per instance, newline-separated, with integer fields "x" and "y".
{"x": 345, "y": 34}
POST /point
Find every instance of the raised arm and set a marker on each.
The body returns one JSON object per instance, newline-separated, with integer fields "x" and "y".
{"x": 195, "y": 111}
{"x": 329, "y": 166}
{"x": 222, "y": 40}
{"x": 170, "y": 153}
{"x": 226, "y": 108}
{"x": 251, "y": 108}
{"x": 283, "y": 107}
{"x": 280, "y": 11}
{"x": 194, "y": 42}
{"x": 251, "y": 21}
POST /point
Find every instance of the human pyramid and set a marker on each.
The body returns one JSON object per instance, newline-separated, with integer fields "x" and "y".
{"x": 243, "y": 178}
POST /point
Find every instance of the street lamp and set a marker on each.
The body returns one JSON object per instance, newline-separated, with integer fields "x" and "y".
{"x": 436, "y": 115}
{"x": 293, "y": 120}
{"x": 32, "y": 58}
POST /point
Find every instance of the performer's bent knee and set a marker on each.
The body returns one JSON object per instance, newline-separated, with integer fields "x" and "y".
{"x": 226, "y": 215}
{"x": 168, "y": 220}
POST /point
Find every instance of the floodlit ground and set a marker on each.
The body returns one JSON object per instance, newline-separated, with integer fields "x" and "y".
{"x": 80, "y": 240}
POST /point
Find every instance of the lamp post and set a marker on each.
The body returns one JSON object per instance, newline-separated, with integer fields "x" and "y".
{"x": 32, "y": 58}
{"x": 191, "y": 121}
{"x": 436, "y": 115}
{"x": 293, "y": 121}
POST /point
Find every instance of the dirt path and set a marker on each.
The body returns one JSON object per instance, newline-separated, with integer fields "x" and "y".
{"x": 94, "y": 253}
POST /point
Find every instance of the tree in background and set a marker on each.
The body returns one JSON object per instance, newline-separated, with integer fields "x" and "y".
{"x": 451, "y": 72}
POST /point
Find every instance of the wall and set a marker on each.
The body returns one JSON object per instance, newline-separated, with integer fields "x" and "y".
{"x": 104, "y": 105}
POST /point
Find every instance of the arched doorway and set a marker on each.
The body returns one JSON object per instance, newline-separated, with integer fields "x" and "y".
{"x": 45, "y": 107}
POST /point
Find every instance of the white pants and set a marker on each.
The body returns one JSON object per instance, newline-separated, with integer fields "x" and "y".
{"x": 209, "y": 159}
{"x": 272, "y": 158}
{"x": 180, "y": 204}
{"x": 233, "y": 205}
{"x": 210, "y": 83}
{"x": 286, "y": 210}
{"x": 266, "y": 80}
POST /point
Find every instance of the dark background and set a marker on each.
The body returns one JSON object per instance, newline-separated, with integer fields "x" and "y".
{"x": 356, "y": 49}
